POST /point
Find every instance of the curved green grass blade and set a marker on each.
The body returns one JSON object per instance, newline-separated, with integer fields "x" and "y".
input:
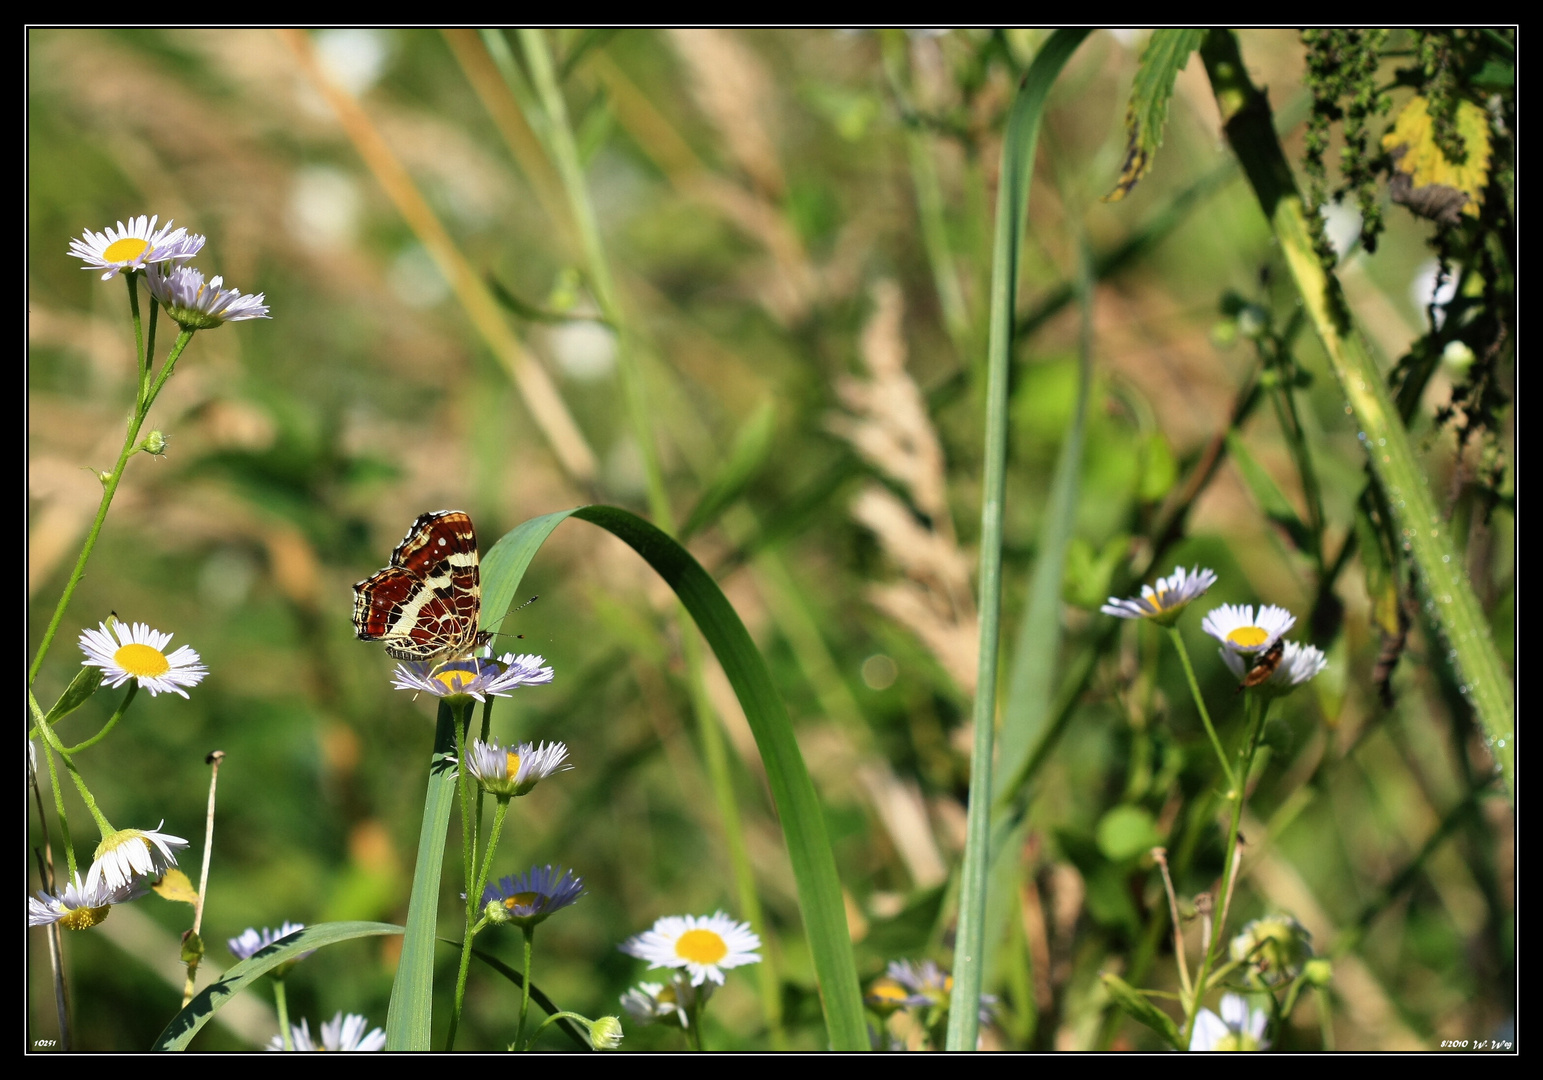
{"x": 409, "y": 1020}
{"x": 202, "y": 1008}
{"x": 803, "y": 824}
{"x": 1018, "y": 145}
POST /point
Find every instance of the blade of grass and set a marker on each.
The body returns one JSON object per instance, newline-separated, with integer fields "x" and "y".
{"x": 1018, "y": 145}
{"x": 798, "y": 808}
{"x": 409, "y": 1020}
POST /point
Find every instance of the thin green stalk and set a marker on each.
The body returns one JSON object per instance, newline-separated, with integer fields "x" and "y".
{"x": 473, "y": 898}
{"x": 1018, "y": 146}
{"x": 529, "y": 933}
{"x": 560, "y": 142}
{"x": 112, "y": 722}
{"x": 109, "y": 489}
{"x": 1205, "y": 716}
{"x": 1423, "y": 534}
{"x": 281, "y": 1003}
{"x": 1246, "y": 753}
{"x": 59, "y": 811}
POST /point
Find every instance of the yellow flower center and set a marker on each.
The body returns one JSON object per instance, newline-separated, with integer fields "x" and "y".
{"x": 1249, "y": 637}
{"x": 887, "y": 993}
{"x": 141, "y": 661}
{"x": 126, "y": 250}
{"x": 84, "y": 918}
{"x": 701, "y": 947}
{"x": 453, "y": 679}
{"x": 522, "y": 899}
{"x": 513, "y": 765}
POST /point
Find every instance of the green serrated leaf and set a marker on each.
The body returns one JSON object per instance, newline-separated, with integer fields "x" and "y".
{"x": 1138, "y": 1008}
{"x": 1161, "y": 61}
{"x": 1272, "y": 500}
{"x": 81, "y": 687}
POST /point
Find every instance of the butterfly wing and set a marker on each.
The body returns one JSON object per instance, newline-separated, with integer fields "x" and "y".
{"x": 426, "y": 604}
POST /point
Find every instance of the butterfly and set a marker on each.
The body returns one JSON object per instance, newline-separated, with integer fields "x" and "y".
{"x": 425, "y": 605}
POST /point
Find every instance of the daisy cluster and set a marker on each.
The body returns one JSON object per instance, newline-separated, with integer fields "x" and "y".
{"x": 161, "y": 255}
{"x": 127, "y": 863}
{"x": 1249, "y": 637}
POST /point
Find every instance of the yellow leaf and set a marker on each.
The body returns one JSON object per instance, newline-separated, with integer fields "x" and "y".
{"x": 176, "y": 886}
{"x": 1424, "y": 179}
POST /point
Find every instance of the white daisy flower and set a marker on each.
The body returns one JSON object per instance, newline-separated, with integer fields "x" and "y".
{"x": 198, "y": 306}
{"x": 1163, "y": 602}
{"x": 1297, "y": 664}
{"x": 252, "y": 941}
{"x": 661, "y": 1003}
{"x": 514, "y": 770}
{"x": 475, "y": 677}
{"x": 79, "y": 906}
{"x": 125, "y": 652}
{"x": 704, "y": 945}
{"x": 1236, "y": 627}
{"x": 133, "y": 853}
{"x": 134, "y": 246}
{"x": 1237, "y": 1028}
{"x": 341, "y": 1034}
{"x": 527, "y": 899}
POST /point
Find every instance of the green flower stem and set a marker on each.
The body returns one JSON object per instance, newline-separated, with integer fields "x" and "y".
{"x": 109, "y": 489}
{"x": 51, "y": 738}
{"x": 112, "y": 722}
{"x": 473, "y": 900}
{"x": 281, "y": 1003}
{"x": 141, "y": 350}
{"x": 555, "y": 1017}
{"x": 1194, "y": 689}
{"x": 1246, "y": 754}
{"x": 525, "y": 977}
{"x": 561, "y": 145}
{"x": 1422, "y": 532}
{"x": 59, "y": 811}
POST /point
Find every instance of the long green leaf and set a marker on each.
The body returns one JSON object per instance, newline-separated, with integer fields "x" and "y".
{"x": 1422, "y": 531}
{"x": 202, "y": 1008}
{"x": 1018, "y": 145}
{"x": 409, "y": 1020}
{"x": 798, "y": 808}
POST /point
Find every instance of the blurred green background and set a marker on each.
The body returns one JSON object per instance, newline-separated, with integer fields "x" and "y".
{"x": 791, "y": 216}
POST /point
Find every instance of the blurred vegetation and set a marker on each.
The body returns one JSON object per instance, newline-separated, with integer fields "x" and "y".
{"x": 798, "y": 226}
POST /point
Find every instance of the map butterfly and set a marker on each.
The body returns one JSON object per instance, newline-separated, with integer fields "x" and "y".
{"x": 426, "y": 603}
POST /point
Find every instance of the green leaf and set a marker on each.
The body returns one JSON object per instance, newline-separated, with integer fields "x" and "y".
{"x": 1272, "y": 500}
{"x": 1161, "y": 61}
{"x": 798, "y": 808}
{"x": 81, "y": 687}
{"x": 1138, "y": 1008}
{"x": 198, "y": 1012}
{"x": 409, "y": 1020}
{"x": 1126, "y": 831}
{"x": 752, "y": 444}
